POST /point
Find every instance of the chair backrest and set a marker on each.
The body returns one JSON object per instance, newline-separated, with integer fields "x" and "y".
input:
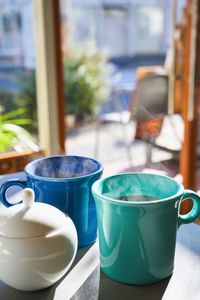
{"x": 150, "y": 97}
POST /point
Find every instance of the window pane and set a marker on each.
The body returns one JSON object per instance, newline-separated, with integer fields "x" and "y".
{"x": 17, "y": 74}
{"x": 148, "y": 29}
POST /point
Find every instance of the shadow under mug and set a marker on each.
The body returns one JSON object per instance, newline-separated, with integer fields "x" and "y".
{"x": 138, "y": 217}
{"x": 64, "y": 182}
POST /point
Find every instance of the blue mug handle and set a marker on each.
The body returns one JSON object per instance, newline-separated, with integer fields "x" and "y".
{"x": 6, "y": 185}
{"x": 194, "y": 213}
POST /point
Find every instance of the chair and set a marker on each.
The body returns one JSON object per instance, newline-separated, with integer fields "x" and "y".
{"x": 146, "y": 104}
{"x": 150, "y": 97}
{"x": 116, "y": 110}
{"x": 149, "y": 109}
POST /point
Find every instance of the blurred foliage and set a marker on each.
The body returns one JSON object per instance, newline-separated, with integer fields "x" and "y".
{"x": 10, "y": 128}
{"x": 86, "y": 82}
{"x": 26, "y": 98}
{"x": 7, "y": 101}
{"x": 86, "y": 75}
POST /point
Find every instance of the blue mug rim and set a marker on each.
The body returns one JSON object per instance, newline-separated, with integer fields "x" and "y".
{"x": 29, "y": 174}
{"x": 102, "y": 197}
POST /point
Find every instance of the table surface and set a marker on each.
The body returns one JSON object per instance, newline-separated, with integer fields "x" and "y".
{"x": 85, "y": 281}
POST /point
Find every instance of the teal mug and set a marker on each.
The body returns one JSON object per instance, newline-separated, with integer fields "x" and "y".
{"x": 138, "y": 217}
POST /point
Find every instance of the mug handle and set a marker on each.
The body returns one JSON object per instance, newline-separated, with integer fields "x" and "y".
{"x": 6, "y": 185}
{"x": 194, "y": 213}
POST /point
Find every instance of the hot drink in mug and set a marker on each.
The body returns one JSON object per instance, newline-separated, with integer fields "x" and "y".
{"x": 64, "y": 182}
{"x": 138, "y": 217}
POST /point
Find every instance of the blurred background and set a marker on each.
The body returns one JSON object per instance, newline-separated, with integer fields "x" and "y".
{"x": 124, "y": 76}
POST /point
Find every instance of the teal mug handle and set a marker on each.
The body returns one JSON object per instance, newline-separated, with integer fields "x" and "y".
{"x": 12, "y": 182}
{"x": 194, "y": 213}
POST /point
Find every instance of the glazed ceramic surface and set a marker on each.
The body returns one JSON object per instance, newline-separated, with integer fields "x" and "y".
{"x": 137, "y": 234}
{"x": 64, "y": 182}
{"x": 38, "y": 244}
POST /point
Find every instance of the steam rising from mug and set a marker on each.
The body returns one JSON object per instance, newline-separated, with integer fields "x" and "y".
{"x": 122, "y": 188}
{"x": 138, "y": 216}
{"x": 63, "y": 167}
{"x": 64, "y": 182}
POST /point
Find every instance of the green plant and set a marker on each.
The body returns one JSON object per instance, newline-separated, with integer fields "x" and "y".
{"x": 27, "y": 98}
{"x": 86, "y": 82}
{"x": 7, "y": 100}
{"x": 12, "y": 134}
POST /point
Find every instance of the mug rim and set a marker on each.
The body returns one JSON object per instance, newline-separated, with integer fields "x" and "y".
{"x": 28, "y": 173}
{"x": 180, "y": 190}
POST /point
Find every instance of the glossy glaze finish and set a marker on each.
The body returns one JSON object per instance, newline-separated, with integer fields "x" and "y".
{"x": 38, "y": 244}
{"x": 137, "y": 239}
{"x": 37, "y": 263}
{"x": 72, "y": 195}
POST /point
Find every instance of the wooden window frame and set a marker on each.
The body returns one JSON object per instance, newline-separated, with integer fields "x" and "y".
{"x": 50, "y": 88}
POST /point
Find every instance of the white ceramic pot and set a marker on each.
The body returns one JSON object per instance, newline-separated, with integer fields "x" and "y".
{"x": 38, "y": 244}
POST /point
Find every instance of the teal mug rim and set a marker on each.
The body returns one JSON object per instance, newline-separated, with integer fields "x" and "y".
{"x": 102, "y": 197}
{"x": 29, "y": 174}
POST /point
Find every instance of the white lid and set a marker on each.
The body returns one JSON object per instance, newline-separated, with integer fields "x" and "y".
{"x": 31, "y": 219}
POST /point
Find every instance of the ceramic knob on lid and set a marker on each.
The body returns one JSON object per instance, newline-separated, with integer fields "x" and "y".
{"x": 38, "y": 244}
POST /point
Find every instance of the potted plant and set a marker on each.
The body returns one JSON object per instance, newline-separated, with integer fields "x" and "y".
{"x": 17, "y": 146}
{"x": 86, "y": 83}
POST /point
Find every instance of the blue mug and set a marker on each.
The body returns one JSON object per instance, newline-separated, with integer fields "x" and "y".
{"x": 64, "y": 182}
